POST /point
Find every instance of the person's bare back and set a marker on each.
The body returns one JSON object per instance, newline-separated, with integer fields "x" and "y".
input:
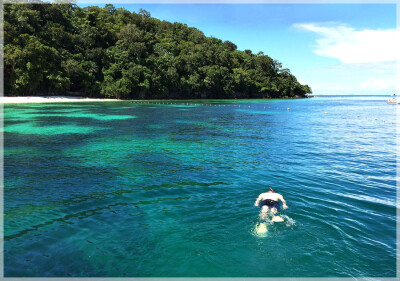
{"x": 271, "y": 196}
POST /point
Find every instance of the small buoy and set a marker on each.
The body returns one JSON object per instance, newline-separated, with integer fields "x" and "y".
{"x": 326, "y": 112}
{"x": 288, "y": 108}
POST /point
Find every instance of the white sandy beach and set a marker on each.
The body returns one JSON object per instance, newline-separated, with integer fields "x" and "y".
{"x": 46, "y": 99}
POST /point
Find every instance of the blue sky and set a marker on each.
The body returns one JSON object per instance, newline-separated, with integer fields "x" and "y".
{"x": 334, "y": 48}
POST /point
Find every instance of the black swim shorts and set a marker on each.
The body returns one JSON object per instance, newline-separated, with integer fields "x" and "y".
{"x": 270, "y": 204}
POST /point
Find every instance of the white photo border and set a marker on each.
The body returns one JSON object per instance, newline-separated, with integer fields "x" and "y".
{"x": 101, "y": 2}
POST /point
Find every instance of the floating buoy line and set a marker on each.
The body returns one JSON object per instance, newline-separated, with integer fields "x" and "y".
{"x": 356, "y": 117}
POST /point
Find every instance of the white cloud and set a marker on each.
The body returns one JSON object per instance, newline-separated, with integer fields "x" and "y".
{"x": 376, "y": 67}
{"x": 354, "y": 46}
{"x": 378, "y": 84}
{"x": 329, "y": 88}
{"x": 336, "y": 88}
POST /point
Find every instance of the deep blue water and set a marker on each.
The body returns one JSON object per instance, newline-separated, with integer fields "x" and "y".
{"x": 166, "y": 188}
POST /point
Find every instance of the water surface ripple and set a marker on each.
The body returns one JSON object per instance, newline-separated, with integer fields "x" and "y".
{"x": 166, "y": 188}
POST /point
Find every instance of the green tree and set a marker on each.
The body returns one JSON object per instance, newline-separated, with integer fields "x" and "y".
{"x": 109, "y": 52}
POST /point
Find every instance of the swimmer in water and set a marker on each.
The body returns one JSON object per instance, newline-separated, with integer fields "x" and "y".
{"x": 269, "y": 201}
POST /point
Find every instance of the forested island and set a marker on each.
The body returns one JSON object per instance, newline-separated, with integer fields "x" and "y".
{"x": 53, "y": 49}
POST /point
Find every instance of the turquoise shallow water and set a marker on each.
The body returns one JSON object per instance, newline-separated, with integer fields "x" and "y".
{"x": 152, "y": 189}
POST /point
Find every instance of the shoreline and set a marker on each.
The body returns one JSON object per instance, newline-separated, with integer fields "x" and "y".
{"x": 49, "y": 99}
{"x": 56, "y": 99}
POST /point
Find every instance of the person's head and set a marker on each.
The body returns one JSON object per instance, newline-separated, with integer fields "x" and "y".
{"x": 270, "y": 190}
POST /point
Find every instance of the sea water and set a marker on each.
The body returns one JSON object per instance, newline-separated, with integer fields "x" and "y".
{"x": 167, "y": 188}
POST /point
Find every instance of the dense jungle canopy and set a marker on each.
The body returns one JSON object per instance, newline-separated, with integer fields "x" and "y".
{"x": 53, "y": 49}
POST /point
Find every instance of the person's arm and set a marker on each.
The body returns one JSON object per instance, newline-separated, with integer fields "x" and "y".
{"x": 258, "y": 200}
{"x": 283, "y": 202}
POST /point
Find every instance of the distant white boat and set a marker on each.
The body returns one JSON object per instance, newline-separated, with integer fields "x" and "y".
{"x": 393, "y": 95}
{"x": 393, "y": 101}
